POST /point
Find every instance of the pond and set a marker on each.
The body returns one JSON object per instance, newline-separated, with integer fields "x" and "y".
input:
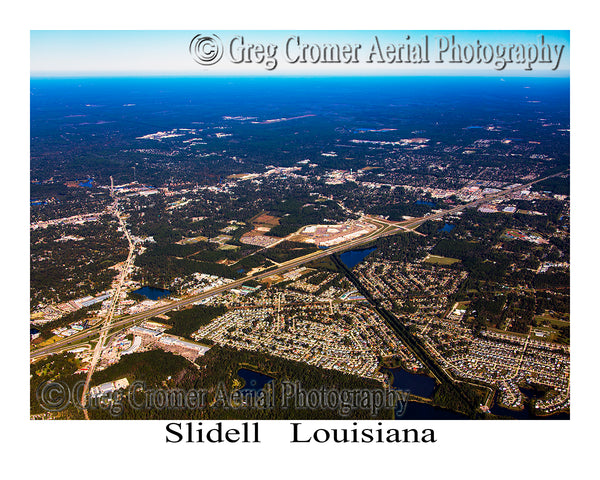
{"x": 253, "y": 381}
{"x": 152, "y": 293}
{"x": 354, "y": 257}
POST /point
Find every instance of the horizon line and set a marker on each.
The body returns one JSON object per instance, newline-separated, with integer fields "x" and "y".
{"x": 561, "y": 75}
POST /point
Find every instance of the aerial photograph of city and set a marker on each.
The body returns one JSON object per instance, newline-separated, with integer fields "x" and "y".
{"x": 253, "y": 242}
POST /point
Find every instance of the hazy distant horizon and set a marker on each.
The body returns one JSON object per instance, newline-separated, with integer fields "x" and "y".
{"x": 167, "y": 53}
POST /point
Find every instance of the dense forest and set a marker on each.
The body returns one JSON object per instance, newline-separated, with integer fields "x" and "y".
{"x": 189, "y": 320}
{"x": 218, "y": 373}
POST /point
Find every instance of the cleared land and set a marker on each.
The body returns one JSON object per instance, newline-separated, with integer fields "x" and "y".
{"x": 190, "y": 241}
{"x": 437, "y": 260}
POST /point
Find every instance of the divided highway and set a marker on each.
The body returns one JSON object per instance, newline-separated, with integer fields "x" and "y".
{"x": 385, "y": 228}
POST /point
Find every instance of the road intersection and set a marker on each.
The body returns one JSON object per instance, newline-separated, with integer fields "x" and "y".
{"x": 384, "y": 228}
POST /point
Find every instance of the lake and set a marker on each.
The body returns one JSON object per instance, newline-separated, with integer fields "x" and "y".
{"x": 354, "y": 257}
{"x": 423, "y": 386}
{"x": 88, "y": 183}
{"x": 152, "y": 293}
{"x": 415, "y": 383}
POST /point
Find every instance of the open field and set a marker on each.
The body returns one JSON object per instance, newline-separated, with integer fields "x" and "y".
{"x": 190, "y": 241}
{"x": 50, "y": 341}
{"x": 264, "y": 219}
{"x": 262, "y": 224}
{"x": 437, "y": 260}
{"x": 554, "y": 321}
{"x": 228, "y": 247}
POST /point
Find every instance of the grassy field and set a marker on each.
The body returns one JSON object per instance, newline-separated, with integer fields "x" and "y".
{"x": 551, "y": 319}
{"x": 264, "y": 220}
{"x": 228, "y": 247}
{"x": 50, "y": 341}
{"x": 437, "y": 260}
{"x": 505, "y": 332}
{"x": 190, "y": 241}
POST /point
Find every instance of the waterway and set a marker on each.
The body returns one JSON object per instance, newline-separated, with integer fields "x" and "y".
{"x": 531, "y": 393}
{"x": 424, "y": 386}
{"x": 424, "y": 411}
{"x": 525, "y": 414}
{"x": 354, "y": 257}
{"x": 152, "y": 293}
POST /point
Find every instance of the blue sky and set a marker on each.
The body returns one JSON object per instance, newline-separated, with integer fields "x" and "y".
{"x": 139, "y": 52}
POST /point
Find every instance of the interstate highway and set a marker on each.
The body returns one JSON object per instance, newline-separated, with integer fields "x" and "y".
{"x": 67, "y": 343}
{"x": 385, "y": 228}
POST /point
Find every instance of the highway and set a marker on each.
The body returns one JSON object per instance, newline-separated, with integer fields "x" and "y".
{"x": 385, "y": 228}
{"x": 66, "y": 344}
{"x": 106, "y": 324}
{"x": 488, "y": 198}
